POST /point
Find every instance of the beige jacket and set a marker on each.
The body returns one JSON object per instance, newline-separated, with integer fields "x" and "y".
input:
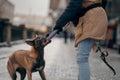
{"x": 92, "y": 25}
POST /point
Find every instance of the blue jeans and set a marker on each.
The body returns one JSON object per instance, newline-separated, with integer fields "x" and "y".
{"x": 84, "y": 48}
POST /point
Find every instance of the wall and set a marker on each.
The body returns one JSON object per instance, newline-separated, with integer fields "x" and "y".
{"x": 6, "y": 10}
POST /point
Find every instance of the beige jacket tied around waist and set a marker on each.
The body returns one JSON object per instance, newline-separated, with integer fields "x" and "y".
{"x": 92, "y": 25}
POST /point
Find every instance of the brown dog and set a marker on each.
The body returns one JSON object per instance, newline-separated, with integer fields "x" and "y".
{"x": 24, "y": 61}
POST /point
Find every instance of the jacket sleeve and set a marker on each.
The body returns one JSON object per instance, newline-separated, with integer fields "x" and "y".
{"x": 69, "y": 13}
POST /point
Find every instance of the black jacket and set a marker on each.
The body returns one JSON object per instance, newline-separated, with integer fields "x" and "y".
{"x": 71, "y": 13}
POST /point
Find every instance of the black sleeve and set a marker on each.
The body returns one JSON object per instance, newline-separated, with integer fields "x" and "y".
{"x": 68, "y": 15}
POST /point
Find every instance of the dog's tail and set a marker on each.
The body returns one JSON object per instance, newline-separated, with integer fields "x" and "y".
{"x": 11, "y": 68}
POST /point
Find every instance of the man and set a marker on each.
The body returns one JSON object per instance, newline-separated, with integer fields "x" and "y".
{"x": 90, "y": 20}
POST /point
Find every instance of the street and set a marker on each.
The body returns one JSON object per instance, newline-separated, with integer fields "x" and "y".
{"x": 61, "y": 62}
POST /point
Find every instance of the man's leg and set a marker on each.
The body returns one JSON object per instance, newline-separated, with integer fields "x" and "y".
{"x": 84, "y": 48}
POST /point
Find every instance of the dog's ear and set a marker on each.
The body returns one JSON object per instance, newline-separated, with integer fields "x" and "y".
{"x": 30, "y": 42}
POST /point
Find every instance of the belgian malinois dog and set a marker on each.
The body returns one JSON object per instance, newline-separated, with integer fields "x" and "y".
{"x": 26, "y": 62}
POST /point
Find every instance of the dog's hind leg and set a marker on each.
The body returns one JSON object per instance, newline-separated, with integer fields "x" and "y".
{"x": 29, "y": 74}
{"x": 42, "y": 74}
{"x": 11, "y": 70}
{"x": 14, "y": 76}
{"x": 22, "y": 73}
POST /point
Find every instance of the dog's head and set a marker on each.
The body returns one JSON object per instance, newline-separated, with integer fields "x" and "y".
{"x": 38, "y": 42}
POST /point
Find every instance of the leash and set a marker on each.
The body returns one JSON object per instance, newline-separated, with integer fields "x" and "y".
{"x": 103, "y": 56}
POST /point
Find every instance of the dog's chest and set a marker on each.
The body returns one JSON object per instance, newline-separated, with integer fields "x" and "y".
{"x": 38, "y": 66}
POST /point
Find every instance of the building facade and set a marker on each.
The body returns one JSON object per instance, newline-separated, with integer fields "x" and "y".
{"x": 6, "y": 10}
{"x": 55, "y": 4}
{"x": 113, "y": 8}
{"x": 6, "y": 18}
{"x": 113, "y": 11}
{"x": 56, "y": 8}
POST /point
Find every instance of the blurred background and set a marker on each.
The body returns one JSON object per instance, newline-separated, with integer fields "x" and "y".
{"x": 22, "y": 19}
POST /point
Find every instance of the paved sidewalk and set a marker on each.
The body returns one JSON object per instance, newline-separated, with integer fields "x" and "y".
{"x": 61, "y": 62}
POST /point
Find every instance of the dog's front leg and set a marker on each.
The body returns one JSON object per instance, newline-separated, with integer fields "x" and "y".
{"x": 42, "y": 74}
{"x": 29, "y": 74}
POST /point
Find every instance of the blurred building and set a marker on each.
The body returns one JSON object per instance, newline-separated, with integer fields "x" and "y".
{"x": 54, "y": 4}
{"x": 6, "y": 18}
{"x": 113, "y": 8}
{"x": 6, "y": 10}
{"x": 57, "y": 6}
{"x": 32, "y": 22}
{"x": 113, "y": 11}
